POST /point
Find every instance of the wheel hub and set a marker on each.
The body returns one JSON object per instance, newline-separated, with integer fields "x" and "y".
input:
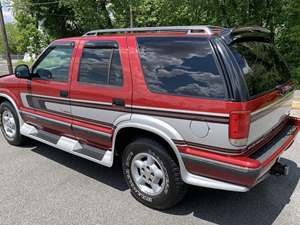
{"x": 9, "y": 123}
{"x": 148, "y": 174}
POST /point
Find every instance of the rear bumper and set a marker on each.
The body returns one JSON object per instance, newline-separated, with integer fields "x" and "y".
{"x": 242, "y": 171}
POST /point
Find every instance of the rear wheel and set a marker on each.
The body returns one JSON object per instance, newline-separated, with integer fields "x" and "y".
{"x": 152, "y": 174}
{"x": 10, "y": 124}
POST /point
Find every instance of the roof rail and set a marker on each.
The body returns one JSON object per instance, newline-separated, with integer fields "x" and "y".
{"x": 189, "y": 29}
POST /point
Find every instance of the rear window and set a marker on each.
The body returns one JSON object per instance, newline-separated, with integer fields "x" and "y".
{"x": 182, "y": 66}
{"x": 262, "y": 66}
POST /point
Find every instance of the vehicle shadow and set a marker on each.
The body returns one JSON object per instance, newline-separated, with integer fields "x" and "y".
{"x": 261, "y": 205}
{"x": 110, "y": 176}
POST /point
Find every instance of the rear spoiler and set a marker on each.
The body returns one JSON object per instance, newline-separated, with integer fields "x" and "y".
{"x": 246, "y": 33}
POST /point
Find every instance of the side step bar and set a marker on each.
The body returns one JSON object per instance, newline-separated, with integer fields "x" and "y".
{"x": 69, "y": 145}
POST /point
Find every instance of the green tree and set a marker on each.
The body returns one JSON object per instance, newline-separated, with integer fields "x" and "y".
{"x": 65, "y": 18}
{"x": 30, "y": 38}
{"x": 289, "y": 39}
{"x": 12, "y": 33}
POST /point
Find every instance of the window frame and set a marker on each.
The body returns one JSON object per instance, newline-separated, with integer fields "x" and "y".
{"x": 216, "y": 60}
{"x": 112, "y": 45}
{"x": 46, "y": 52}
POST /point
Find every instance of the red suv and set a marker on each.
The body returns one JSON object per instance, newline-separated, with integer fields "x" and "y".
{"x": 197, "y": 105}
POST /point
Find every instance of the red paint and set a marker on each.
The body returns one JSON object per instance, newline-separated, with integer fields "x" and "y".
{"x": 242, "y": 160}
{"x": 246, "y": 178}
{"x": 100, "y": 93}
{"x": 223, "y": 175}
{"x": 296, "y": 122}
{"x": 135, "y": 92}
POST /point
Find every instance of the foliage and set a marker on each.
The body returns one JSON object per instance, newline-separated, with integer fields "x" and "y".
{"x": 12, "y": 34}
{"x": 74, "y": 17}
{"x": 30, "y": 39}
{"x": 289, "y": 39}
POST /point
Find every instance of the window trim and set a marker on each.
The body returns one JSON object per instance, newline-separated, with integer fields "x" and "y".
{"x": 46, "y": 52}
{"x": 112, "y": 45}
{"x": 216, "y": 60}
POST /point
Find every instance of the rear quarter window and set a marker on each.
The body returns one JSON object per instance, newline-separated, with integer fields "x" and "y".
{"x": 181, "y": 66}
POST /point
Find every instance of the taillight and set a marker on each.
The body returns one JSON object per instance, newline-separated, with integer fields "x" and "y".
{"x": 239, "y": 124}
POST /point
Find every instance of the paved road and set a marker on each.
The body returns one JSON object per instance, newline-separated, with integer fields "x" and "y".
{"x": 42, "y": 185}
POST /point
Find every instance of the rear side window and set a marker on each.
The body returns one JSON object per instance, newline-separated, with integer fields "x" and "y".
{"x": 182, "y": 66}
{"x": 101, "y": 66}
{"x": 262, "y": 66}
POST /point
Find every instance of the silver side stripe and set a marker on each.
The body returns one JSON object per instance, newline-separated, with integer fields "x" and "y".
{"x": 34, "y": 116}
{"x": 179, "y": 111}
{"x": 129, "y": 106}
{"x": 23, "y": 96}
{"x": 91, "y": 131}
{"x": 231, "y": 166}
{"x": 274, "y": 104}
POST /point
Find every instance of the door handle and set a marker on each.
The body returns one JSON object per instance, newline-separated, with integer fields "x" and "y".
{"x": 118, "y": 102}
{"x": 63, "y": 93}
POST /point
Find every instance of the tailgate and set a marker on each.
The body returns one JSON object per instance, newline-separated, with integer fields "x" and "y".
{"x": 267, "y": 80}
{"x": 264, "y": 120}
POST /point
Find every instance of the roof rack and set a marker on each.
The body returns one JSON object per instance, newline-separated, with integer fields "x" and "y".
{"x": 189, "y": 29}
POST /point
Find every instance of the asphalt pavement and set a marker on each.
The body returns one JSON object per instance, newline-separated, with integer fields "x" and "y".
{"x": 41, "y": 185}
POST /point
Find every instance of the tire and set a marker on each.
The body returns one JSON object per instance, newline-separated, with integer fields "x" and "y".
{"x": 160, "y": 185}
{"x": 8, "y": 111}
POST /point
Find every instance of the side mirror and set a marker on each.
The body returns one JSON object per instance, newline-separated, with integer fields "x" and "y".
{"x": 22, "y": 71}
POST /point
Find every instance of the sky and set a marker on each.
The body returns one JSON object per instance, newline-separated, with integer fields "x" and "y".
{"x": 8, "y": 17}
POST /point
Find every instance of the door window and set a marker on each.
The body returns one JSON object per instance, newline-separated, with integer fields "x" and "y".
{"x": 54, "y": 64}
{"x": 101, "y": 66}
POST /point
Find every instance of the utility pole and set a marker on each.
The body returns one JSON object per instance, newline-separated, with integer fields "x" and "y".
{"x": 131, "y": 14}
{"x": 5, "y": 41}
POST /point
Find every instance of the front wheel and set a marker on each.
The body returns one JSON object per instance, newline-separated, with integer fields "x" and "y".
{"x": 152, "y": 174}
{"x": 10, "y": 124}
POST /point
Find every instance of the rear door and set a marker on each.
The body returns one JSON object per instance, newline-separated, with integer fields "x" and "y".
{"x": 100, "y": 89}
{"x": 269, "y": 89}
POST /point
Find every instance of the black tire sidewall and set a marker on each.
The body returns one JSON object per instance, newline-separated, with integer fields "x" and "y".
{"x": 166, "y": 197}
{"x": 17, "y": 139}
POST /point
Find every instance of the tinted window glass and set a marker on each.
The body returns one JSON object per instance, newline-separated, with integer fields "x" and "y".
{"x": 262, "y": 66}
{"x": 100, "y": 66}
{"x": 55, "y": 64}
{"x": 115, "y": 76}
{"x": 181, "y": 66}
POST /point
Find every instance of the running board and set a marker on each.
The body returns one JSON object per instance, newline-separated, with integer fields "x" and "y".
{"x": 69, "y": 145}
